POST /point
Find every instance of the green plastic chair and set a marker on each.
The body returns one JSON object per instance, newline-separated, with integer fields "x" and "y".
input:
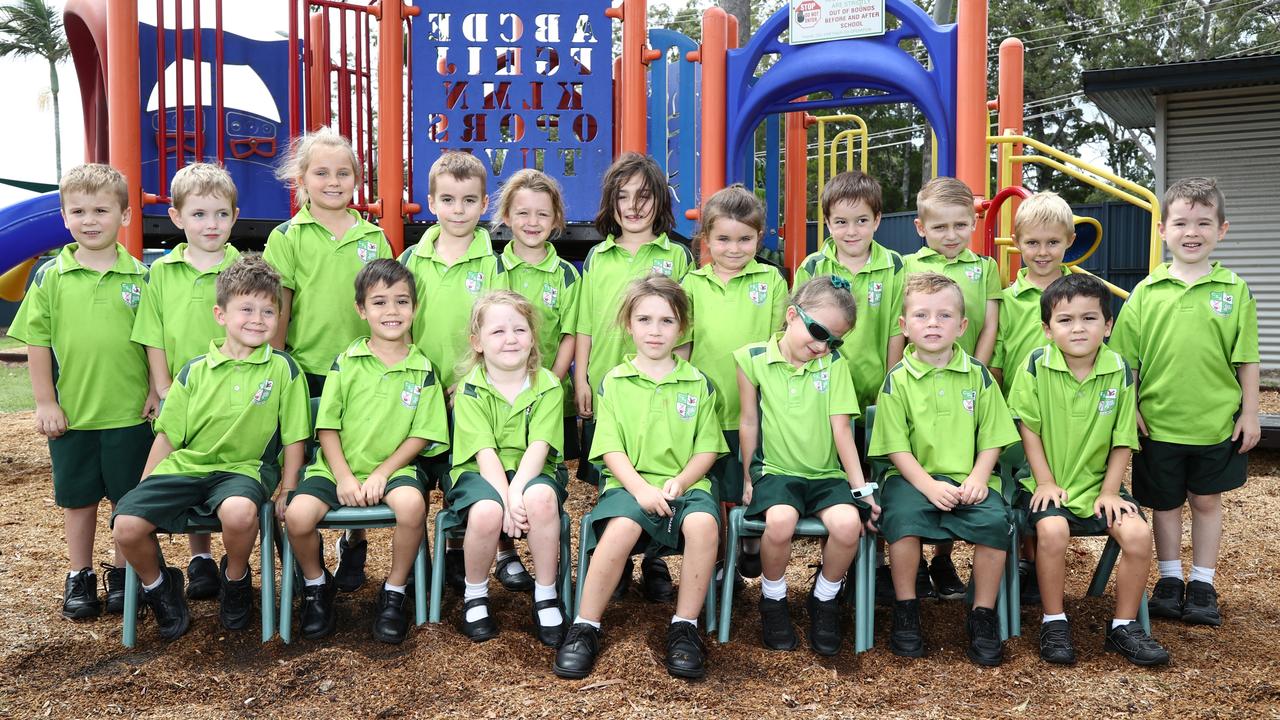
{"x": 207, "y": 524}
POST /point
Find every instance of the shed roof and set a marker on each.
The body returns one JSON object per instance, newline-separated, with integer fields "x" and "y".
{"x": 1128, "y": 94}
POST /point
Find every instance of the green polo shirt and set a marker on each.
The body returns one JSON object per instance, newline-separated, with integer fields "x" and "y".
{"x": 877, "y": 290}
{"x": 1185, "y": 341}
{"x": 796, "y": 405}
{"x": 445, "y": 296}
{"x": 943, "y": 416}
{"x": 483, "y": 418}
{"x": 86, "y": 317}
{"x": 552, "y": 286}
{"x": 977, "y": 276}
{"x": 225, "y": 415}
{"x": 606, "y": 273}
{"x": 727, "y": 315}
{"x": 1020, "y": 330}
{"x": 1079, "y": 421}
{"x": 375, "y": 408}
{"x": 681, "y": 421}
{"x": 176, "y": 312}
{"x": 321, "y": 270}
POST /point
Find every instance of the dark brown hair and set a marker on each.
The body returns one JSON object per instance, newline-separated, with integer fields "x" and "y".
{"x": 654, "y": 185}
{"x": 660, "y": 286}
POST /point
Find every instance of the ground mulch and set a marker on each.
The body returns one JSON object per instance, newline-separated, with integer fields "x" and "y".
{"x": 50, "y": 667}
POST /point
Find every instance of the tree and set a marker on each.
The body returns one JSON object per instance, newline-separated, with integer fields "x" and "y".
{"x": 31, "y": 28}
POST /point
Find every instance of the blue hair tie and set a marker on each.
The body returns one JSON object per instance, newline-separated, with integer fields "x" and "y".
{"x": 840, "y": 283}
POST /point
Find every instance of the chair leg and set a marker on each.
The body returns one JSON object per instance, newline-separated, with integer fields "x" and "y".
{"x": 565, "y": 566}
{"x": 420, "y": 583}
{"x": 1002, "y": 611}
{"x": 437, "y": 568}
{"x": 286, "y": 588}
{"x": 732, "y": 541}
{"x": 1144, "y": 616}
{"x": 1106, "y": 563}
{"x": 584, "y": 535}
{"x": 129, "y": 631}
{"x": 268, "y": 566}
{"x": 863, "y": 584}
{"x": 1013, "y": 584}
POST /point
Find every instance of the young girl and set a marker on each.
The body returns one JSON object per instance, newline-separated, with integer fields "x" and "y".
{"x": 369, "y": 440}
{"x": 318, "y": 253}
{"x": 635, "y": 215}
{"x": 655, "y": 490}
{"x": 508, "y": 434}
{"x": 797, "y": 399}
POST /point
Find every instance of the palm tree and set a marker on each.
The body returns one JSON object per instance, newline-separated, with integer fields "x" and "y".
{"x": 31, "y": 28}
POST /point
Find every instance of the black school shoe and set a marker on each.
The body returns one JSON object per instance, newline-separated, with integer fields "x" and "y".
{"x": 318, "y": 616}
{"x": 825, "y": 631}
{"x": 350, "y": 575}
{"x": 235, "y": 599}
{"x": 656, "y": 579}
{"x": 906, "y": 640}
{"x": 390, "y": 618}
{"x": 577, "y": 654}
{"x": 512, "y": 574}
{"x": 749, "y": 565}
{"x": 1028, "y": 583}
{"x": 549, "y": 635}
{"x": 1201, "y": 604}
{"x": 169, "y": 605}
{"x": 1055, "y": 643}
{"x": 776, "y": 630}
{"x": 202, "y": 579}
{"x": 686, "y": 652}
{"x": 113, "y": 580}
{"x": 80, "y": 596}
{"x": 455, "y": 569}
{"x": 985, "y": 647}
{"x": 738, "y": 582}
{"x": 486, "y": 628}
{"x": 624, "y": 581}
{"x": 1131, "y": 641}
{"x": 946, "y": 583}
{"x": 1167, "y": 598}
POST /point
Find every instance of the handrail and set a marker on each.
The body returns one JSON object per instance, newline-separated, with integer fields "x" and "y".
{"x": 860, "y": 131}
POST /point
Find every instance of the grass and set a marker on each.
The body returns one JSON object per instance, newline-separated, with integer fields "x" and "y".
{"x": 15, "y": 390}
{"x": 8, "y": 343}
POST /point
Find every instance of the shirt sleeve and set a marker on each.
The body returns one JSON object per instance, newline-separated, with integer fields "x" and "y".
{"x": 998, "y": 360}
{"x": 742, "y": 358}
{"x": 173, "y": 412}
{"x": 1125, "y": 432}
{"x": 843, "y": 398}
{"x": 1126, "y": 333}
{"x": 295, "y": 409}
{"x": 889, "y": 433}
{"x": 893, "y": 295}
{"x": 608, "y": 436}
{"x": 430, "y": 419}
{"x": 546, "y": 422}
{"x": 687, "y": 336}
{"x": 472, "y": 426}
{"x": 707, "y": 435}
{"x": 1024, "y": 398}
{"x": 995, "y": 284}
{"x": 584, "y": 320}
{"x": 332, "y": 400}
{"x": 148, "y": 328}
{"x": 569, "y": 301}
{"x": 995, "y": 425}
{"x": 1246, "y": 347}
{"x": 32, "y": 324}
{"x": 778, "y": 301}
{"x": 279, "y": 254}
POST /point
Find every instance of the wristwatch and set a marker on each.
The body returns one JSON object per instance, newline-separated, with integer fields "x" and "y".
{"x": 864, "y": 491}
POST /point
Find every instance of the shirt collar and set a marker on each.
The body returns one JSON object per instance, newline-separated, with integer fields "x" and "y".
{"x": 959, "y": 361}
{"x": 773, "y": 354}
{"x": 1106, "y": 362}
{"x": 537, "y": 384}
{"x": 683, "y": 371}
{"x": 480, "y": 245}
{"x": 125, "y": 263}
{"x": 512, "y": 260}
{"x": 1021, "y": 284}
{"x": 1217, "y": 273}
{"x": 610, "y": 243}
{"x": 415, "y": 360}
{"x": 877, "y": 258}
{"x": 179, "y": 255}
{"x": 966, "y": 255}
{"x": 708, "y": 271}
{"x": 259, "y": 356}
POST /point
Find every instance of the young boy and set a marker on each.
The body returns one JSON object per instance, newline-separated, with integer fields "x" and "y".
{"x": 1190, "y": 332}
{"x": 76, "y": 320}
{"x": 217, "y": 440}
{"x": 175, "y": 318}
{"x": 1078, "y": 450}
{"x": 381, "y": 409}
{"x": 942, "y": 422}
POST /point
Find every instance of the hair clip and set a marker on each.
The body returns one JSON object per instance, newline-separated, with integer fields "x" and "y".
{"x": 840, "y": 283}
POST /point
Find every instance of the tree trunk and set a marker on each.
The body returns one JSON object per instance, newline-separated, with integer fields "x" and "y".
{"x": 57, "y": 120}
{"x": 740, "y": 9}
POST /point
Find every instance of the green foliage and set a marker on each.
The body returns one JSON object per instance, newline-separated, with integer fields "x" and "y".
{"x": 15, "y": 389}
{"x": 32, "y": 29}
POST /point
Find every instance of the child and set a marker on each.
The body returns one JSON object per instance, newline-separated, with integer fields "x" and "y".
{"x": 318, "y": 253}
{"x": 80, "y": 310}
{"x": 1190, "y": 332}
{"x": 226, "y": 411}
{"x": 634, "y": 218}
{"x": 946, "y": 221}
{"x": 509, "y": 432}
{"x": 1078, "y": 451}
{"x": 382, "y": 407}
{"x": 655, "y": 491}
{"x": 733, "y": 300}
{"x": 942, "y": 422}
{"x": 797, "y": 399}
{"x": 175, "y": 318}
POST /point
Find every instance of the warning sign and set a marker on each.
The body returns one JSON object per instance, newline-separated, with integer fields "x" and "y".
{"x": 819, "y": 20}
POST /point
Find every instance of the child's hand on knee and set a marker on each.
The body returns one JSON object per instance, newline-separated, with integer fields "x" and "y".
{"x": 943, "y": 495}
{"x": 1046, "y": 495}
{"x": 973, "y": 490}
{"x": 349, "y": 492}
{"x": 515, "y": 508}
{"x": 651, "y": 500}
{"x": 1113, "y": 508}
{"x": 374, "y": 488}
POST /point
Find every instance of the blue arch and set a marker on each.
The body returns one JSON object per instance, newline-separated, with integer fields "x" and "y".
{"x": 875, "y": 63}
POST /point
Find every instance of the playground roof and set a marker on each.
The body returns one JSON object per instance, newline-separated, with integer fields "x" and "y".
{"x": 1128, "y": 95}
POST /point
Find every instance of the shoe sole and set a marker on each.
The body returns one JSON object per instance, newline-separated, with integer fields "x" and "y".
{"x": 984, "y": 662}
{"x": 686, "y": 673}
{"x": 951, "y": 595}
{"x": 1110, "y": 647}
{"x": 183, "y": 625}
{"x": 1053, "y": 661}
{"x": 201, "y": 592}
{"x": 1199, "y": 619}
{"x": 389, "y": 639}
{"x": 1162, "y": 612}
{"x": 569, "y": 674}
{"x": 906, "y": 653}
{"x": 782, "y": 648}
{"x": 824, "y": 653}
{"x": 84, "y": 613}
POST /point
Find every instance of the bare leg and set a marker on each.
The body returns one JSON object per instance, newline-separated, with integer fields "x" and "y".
{"x": 411, "y": 512}
{"x": 775, "y": 544}
{"x": 843, "y": 529}
{"x": 988, "y": 566}
{"x": 616, "y": 542}
{"x": 300, "y": 520}
{"x": 480, "y": 543}
{"x": 543, "y": 509}
{"x": 239, "y": 518}
{"x": 1168, "y": 531}
{"x": 904, "y": 560}
{"x": 1206, "y": 529}
{"x": 1135, "y": 563}
{"x": 1052, "y": 535}
{"x": 701, "y": 536}
{"x": 137, "y": 541}
{"x": 80, "y": 523}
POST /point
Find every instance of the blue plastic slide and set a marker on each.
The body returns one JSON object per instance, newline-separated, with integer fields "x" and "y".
{"x": 29, "y": 228}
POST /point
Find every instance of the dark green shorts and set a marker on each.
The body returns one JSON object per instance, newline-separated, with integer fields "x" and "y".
{"x": 726, "y": 473}
{"x": 471, "y": 488}
{"x": 89, "y": 465}
{"x": 661, "y": 534}
{"x": 907, "y": 513}
{"x": 326, "y": 490}
{"x": 805, "y": 495}
{"x": 1089, "y": 526}
{"x": 1165, "y": 473}
{"x": 168, "y": 501}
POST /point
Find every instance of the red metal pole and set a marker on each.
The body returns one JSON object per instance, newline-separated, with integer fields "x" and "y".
{"x": 198, "y": 62}
{"x": 635, "y": 31}
{"x": 795, "y": 214}
{"x": 344, "y": 79}
{"x": 317, "y": 71}
{"x": 180, "y": 102}
{"x": 357, "y": 139}
{"x": 411, "y": 208}
{"x": 219, "y": 98}
{"x": 1010, "y": 118}
{"x": 715, "y": 41}
{"x": 124, "y": 116}
{"x": 389, "y": 207}
{"x": 162, "y": 115}
{"x": 971, "y": 103}
{"x": 295, "y": 89}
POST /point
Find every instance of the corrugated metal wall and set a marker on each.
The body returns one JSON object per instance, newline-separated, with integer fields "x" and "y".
{"x": 1234, "y": 135}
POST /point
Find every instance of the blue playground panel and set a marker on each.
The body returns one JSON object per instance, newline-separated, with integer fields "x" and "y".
{"x": 255, "y": 137}
{"x": 674, "y": 131}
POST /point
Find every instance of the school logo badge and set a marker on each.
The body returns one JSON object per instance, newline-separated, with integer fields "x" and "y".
{"x": 970, "y": 398}
{"x": 974, "y": 273}
{"x": 131, "y": 293}
{"x": 875, "y": 291}
{"x": 549, "y": 295}
{"x": 367, "y": 251}
{"x": 475, "y": 282}
{"x": 666, "y": 267}
{"x": 1221, "y": 303}
{"x": 822, "y": 381}
{"x": 758, "y": 292}
{"x": 1107, "y": 401}
{"x": 409, "y": 396}
{"x": 264, "y": 392}
{"x": 686, "y": 405}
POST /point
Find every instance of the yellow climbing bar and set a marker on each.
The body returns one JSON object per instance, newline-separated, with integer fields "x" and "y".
{"x": 848, "y": 136}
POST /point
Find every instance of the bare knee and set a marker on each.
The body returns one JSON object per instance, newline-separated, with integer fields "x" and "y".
{"x": 1205, "y": 504}
{"x": 1133, "y": 535}
{"x": 700, "y": 528}
{"x": 843, "y": 525}
{"x": 408, "y": 506}
{"x": 541, "y": 505}
{"x": 129, "y": 529}
{"x": 1052, "y": 535}
{"x": 780, "y": 523}
{"x": 238, "y": 515}
{"x": 485, "y": 516}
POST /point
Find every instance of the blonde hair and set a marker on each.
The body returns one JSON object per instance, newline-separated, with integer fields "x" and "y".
{"x": 460, "y": 166}
{"x": 1044, "y": 209}
{"x": 1196, "y": 191}
{"x": 94, "y": 178}
{"x": 522, "y": 306}
{"x": 248, "y": 275}
{"x": 655, "y": 285}
{"x": 930, "y": 283}
{"x": 735, "y": 202}
{"x": 298, "y": 160}
{"x": 203, "y": 179}
{"x": 826, "y": 291}
{"x": 533, "y": 181}
{"x": 943, "y": 191}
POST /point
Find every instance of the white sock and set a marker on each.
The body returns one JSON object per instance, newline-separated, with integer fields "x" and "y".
{"x": 242, "y": 577}
{"x": 773, "y": 589}
{"x": 547, "y": 616}
{"x": 1117, "y": 622}
{"x": 473, "y": 591}
{"x": 73, "y": 573}
{"x": 676, "y": 618}
{"x": 579, "y": 620}
{"x": 393, "y": 588}
{"x": 825, "y": 589}
{"x": 155, "y": 584}
{"x": 1170, "y": 568}
{"x": 1051, "y": 618}
{"x": 312, "y": 582}
{"x": 206, "y": 556}
{"x": 1202, "y": 574}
